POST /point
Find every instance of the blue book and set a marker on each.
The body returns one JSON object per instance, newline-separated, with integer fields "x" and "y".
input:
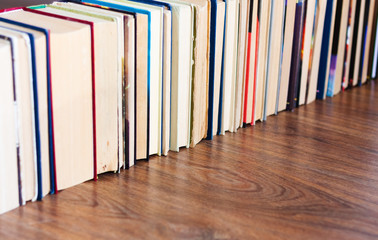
{"x": 321, "y": 88}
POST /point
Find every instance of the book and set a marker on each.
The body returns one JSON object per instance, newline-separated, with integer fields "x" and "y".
{"x": 348, "y": 47}
{"x": 286, "y": 56}
{"x": 326, "y": 50}
{"x": 252, "y": 42}
{"x": 25, "y": 76}
{"x": 368, "y": 36}
{"x": 228, "y": 74}
{"x": 274, "y": 58}
{"x": 244, "y": 6}
{"x": 200, "y": 74}
{"x": 372, "y": 43}
{"x": 338, "y": 79}
{"x": 284, "y": 16}
{"x": 308, "y": 35}
{"x": 312, "y": 80}
{"x": 156, "y": 52}
{"x": 338, "y": 48}
{"x": 165, "y": 94}
{"x": 153, "y": 72}
{"x": 142, "y": 59}
{"x": 73, "y": 120}
{"x": 9, "y": 146}
{"x": 296, "y": 54}
{"x": 217, "y": 24}
{"x": 165, "y": 85}
{"x": 181, "y": 74}
{"x": 38, "y": 51}
{"x": 374, "y": 57}
{"x": 107, "y": 81}
{"x": 167, "y": 79}
{"x": 357, "y": 43}
{"x": 126, "y": 74}
{"x": 258, "y": 106}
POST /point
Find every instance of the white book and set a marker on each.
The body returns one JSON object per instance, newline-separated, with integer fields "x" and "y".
{"x": 9, "y": 192}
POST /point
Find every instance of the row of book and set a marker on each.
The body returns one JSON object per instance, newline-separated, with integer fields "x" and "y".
{"x": 91, "y": 86}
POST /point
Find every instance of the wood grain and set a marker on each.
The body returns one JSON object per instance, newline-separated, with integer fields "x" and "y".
{"x": 307, "y": 174}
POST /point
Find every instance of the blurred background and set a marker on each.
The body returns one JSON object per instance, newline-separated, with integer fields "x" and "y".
{"x": 21, "y": 3}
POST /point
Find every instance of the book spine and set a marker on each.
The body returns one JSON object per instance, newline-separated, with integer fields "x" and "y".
{"x": 296, "y": 56}
{"x": 281, "y": 56}
{"x": 363, "y": 47}
{"x": 271, "y": 19}
{"x": 335, "y": 45}
{"x": 354, "y": 45}
{"x": 256, "y": 61}
{"x": 375, "y": 57}
{"x": 213, "y": 34}
{"x": 347, "y": 47}
{"x": 314, "y": 30}
{"x": 324, "y": 51}
{"x": 247, "y": 76}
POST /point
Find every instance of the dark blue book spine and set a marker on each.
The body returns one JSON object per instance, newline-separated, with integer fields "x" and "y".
{"x": 296, "y": 56}
{"x": 222, "y": 75}
{"x": 213, "y": 29}
{"x": 324, "y": 51}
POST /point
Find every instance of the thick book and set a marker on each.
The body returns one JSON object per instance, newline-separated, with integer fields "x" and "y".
{"x": 9, "y": 150}
{"x": 165, "y": 87}
{"x": 157, "y": 71}
{"x": 44, "y": 66}
{"x": 143, "y": 87}
{"x": 71, "y": 73}
{"x": 25, "y": 107}
{"x": 142, "y": 73}
{"x": 126, "y": 75}
{"x": 38, "y": 52}
{"x": 107, "y": 82}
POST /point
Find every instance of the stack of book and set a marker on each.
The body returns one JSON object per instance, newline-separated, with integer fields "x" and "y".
{"x": 91, "y": 86}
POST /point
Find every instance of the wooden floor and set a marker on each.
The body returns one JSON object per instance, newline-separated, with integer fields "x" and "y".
{"x": 308, "y": 174}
